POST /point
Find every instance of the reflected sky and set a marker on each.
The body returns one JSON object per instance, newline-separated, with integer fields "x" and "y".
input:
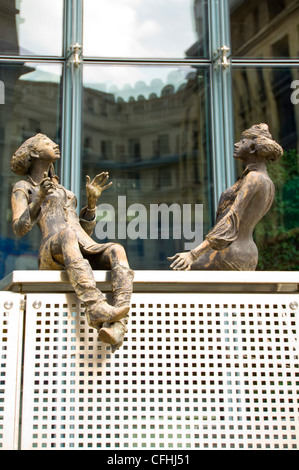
{"x": 43, "y": 73}
{"x": 119, "y": 28}
{"x": 132, "y": 82}
{"x": 124, "y": 82}
{"x": 138, "y": 28}
{"x": 114, "y": 28}
{"x": 39, "y": 26}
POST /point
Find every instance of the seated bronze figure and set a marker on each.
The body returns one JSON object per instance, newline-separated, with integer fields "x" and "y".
{"x": 229, "y": 244}
{"x": 66, "y": 242}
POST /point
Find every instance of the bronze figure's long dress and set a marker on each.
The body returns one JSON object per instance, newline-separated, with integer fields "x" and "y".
{"x": 240, "y": 208}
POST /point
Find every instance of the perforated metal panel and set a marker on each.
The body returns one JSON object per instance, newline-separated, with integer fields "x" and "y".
{"x": 11, "y": 323}
{"x": 196, "y": 371}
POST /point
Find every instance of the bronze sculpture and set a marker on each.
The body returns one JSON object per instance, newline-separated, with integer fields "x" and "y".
{"x": 66, "y": 238}
{"x": 229, "y": 244}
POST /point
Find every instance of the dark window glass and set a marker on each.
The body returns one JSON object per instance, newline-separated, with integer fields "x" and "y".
{"x": 264, "y": 28}
{"x": 31, "y": 104}
{"x": 149, "y": 128}
{"x": 126, "y": 28}
{"x": 30, "y": 27}
{"x": 271, "y": 95}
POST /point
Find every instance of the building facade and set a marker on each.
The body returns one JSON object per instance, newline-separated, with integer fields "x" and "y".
{"x": 155, "y": 93}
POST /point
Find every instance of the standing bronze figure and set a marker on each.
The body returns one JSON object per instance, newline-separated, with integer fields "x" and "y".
{"x": 229, "y": 244}
{"x": 66, "y": 242}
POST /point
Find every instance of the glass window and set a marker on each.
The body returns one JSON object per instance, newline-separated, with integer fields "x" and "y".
{"x": 264, "y": 28}
{"x": 130, "y": 28}
{"x": 31, "y": 104}
{"x": 148, "y": 126}
{"x": 271, "y": 95}
{"x": 30, "y": 27}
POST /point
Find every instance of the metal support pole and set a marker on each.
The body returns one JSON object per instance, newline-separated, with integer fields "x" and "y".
{"x": 221, "y": 99}
{"x": 72, "y": 97}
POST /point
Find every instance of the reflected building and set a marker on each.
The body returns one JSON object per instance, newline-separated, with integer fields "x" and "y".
{"x": 8, "y": 27}
{"x": 13, "y": 117}
{"x": 262, "y": 29}
{"x": 155, "y": 138}
{"x": 155, "y": 149}
{"x": 33, "y": 110}
{"x": 259, "y": 30}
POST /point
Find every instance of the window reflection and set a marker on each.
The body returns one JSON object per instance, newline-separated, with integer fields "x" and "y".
{"x": 126, "y": 28}
{"x": 32, "y": 104}
{"x": 265, "y": 95}
{"x": 23, "y": 21}
{"x": 264, "y": 28}
{"x": 149, "y": 128}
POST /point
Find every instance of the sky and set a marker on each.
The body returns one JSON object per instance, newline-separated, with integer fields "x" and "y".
{"x": 138, "y": 28}
{"x": 118, "y": 28}
{"x": 114, "y": 28}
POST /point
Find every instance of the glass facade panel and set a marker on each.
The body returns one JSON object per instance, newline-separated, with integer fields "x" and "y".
{"x": 32, "y": 104}
{"x": 149, "y": 128}
{"x": 271, "y": 95}
{"x": 126, "y": 28}
{"x": 158, "y": 123}
{"x": 264, "y": 28}
{"x": 30, "y": 27}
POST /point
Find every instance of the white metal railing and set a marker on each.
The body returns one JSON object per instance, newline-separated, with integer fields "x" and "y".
{"x": 206, "y": 364}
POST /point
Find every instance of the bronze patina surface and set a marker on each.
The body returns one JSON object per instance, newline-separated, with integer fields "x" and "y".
{"x": 66, "y": 242}
{"x": 229, "y": 244}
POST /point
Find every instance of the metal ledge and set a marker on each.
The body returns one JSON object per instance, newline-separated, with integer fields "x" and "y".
{"x": 162, "y": 281}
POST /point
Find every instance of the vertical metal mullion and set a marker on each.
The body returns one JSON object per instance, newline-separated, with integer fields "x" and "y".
{"x": 70, "y": 170}
{"x": 76, "y": 101}
{"x": 219, "y": 160}
{"x": 67, "y": 93}
{"x": 222, "y": 124}
{"x": 216, "y": 104}
{"x": 66, "y": 127}
{"x": 228, "y": 127}
{"x": 226, "y": 77}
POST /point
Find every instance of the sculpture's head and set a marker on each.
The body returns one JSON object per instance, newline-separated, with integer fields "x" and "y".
{"x": 262, "y": 143}
{"x": 21, "y": 160}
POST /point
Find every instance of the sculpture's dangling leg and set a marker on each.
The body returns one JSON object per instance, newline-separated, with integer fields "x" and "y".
{"x": 97, "y": 309}
{"x": 122, "y": 287}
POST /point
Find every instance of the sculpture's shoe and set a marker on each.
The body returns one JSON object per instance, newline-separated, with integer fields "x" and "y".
{"x": 100, "y": 312}
{"x": 113, "y": 334}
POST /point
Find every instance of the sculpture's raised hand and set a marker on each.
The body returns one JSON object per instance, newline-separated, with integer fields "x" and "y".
{"x": 95, "y": 187}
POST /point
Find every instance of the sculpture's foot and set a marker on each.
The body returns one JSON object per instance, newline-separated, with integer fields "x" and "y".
{"x": 100, "y": 312}
{"x": 113, "y": 334}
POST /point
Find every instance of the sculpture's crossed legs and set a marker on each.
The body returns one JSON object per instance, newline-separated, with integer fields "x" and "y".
{"x": 66, "y": 250}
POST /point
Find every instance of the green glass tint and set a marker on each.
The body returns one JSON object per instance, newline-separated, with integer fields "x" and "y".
{"x": 149, "y": 128}
{"x": 32, "y": 105}
{"x": 271, "y": 95}
{"x": 148, "y": 29}
{"x": 31, "y": 27}
{"x": 264, "y": 29}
